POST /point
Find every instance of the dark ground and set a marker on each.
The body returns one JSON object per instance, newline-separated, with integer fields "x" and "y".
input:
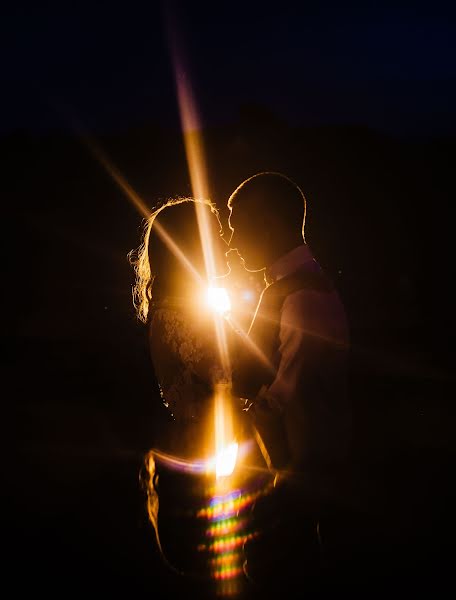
{"x": 76, "y": 520}
{"x": 81, "y": 406}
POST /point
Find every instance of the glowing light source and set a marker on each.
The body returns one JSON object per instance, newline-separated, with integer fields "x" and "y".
{"x": 225, "y": 460}
{"x": 218, "y": 300}
{"x": 247, "y": 295}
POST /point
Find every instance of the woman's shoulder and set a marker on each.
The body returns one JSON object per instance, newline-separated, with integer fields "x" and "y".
{"x": 185, "y": 354}
{"x": 176, "y": 329}
{"x": 177, "y": 310}
{"x": 186, "y": 318}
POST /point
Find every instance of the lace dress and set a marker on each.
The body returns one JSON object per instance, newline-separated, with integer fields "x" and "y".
{"x": 184, "y": 352}
{"x": 185, "y": 355}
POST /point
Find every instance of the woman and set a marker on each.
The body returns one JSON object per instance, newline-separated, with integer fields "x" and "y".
{"x": 182, "y": 241}
{"x": 182, "y": 250}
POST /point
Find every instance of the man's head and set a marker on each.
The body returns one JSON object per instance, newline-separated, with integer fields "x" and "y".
{"x": 267, "y": 217}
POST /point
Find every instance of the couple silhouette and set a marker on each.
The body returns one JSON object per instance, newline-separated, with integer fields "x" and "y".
{"x": 287, "y": 369}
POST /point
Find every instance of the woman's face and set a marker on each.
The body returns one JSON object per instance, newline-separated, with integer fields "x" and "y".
{"x": 219, "y": 248}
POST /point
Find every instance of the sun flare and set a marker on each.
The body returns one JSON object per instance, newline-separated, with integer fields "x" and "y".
{"x": 218, "y": 300}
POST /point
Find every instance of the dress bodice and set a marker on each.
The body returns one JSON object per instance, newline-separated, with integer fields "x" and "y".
{"x": 185, "y": 355}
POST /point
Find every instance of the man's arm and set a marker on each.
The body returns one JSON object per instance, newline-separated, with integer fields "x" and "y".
{"x": 270, "y": 405}
{"x": 251, "y": 361}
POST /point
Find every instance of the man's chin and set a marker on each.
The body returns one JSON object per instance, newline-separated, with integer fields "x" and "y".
{"x": 252, "y": 269}
{"x": 248, "y": 265}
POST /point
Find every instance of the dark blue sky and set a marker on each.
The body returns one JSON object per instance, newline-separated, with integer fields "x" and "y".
{"x": 387, "y": 65}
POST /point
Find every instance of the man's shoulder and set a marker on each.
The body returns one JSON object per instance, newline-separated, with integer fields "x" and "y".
{"x": 301, "y": 280}
{"x": 312, "y": 312}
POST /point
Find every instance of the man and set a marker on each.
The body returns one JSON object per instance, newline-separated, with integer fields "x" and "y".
{"x": 293, "y": 370}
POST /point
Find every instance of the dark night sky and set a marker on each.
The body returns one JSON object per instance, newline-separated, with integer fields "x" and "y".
{"x": 388, "y": 65}
{"x": 356, "y": 102}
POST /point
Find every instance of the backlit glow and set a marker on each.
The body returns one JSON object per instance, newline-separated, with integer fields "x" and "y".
{"x": 226, "y": 460}
{"x": 218, "y": 299}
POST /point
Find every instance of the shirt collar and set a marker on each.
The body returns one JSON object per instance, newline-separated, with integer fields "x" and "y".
{"x": 289, "y": 263}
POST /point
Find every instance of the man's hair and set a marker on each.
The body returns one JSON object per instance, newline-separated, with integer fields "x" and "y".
{"x": 274, "y": 192}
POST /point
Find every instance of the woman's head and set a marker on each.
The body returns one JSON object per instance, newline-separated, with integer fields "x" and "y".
{"x": 172, "y": 258}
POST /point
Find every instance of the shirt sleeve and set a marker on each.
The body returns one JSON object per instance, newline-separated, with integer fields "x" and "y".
{"x": 272, "y": 401}
{"x": 293, "y": 337}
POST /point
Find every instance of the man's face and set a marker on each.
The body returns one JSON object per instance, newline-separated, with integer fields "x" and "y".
{"x": 246, "y": 238}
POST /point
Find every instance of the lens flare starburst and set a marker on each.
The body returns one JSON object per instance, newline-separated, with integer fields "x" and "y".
{"x": 218, "y": 300}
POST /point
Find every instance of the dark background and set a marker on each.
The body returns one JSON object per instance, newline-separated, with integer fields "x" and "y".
{"x": 356, "y": 104}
